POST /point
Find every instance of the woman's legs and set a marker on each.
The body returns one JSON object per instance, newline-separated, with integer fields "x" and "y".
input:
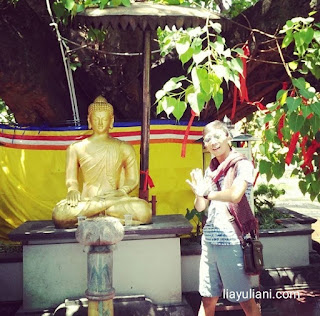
{"x": 251, "y": 308}
{"x": 208, "y": 306}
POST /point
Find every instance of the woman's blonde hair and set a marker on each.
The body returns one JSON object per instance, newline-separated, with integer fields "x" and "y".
{"x": 216, "y": 125}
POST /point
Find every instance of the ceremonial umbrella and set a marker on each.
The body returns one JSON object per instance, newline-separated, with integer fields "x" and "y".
{"x": 147, "y": 16}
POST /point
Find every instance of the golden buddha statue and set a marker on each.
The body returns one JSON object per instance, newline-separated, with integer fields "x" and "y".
{"x": 109, "y": 170}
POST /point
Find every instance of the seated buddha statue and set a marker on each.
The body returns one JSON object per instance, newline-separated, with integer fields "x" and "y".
{"x": 109, "y": 171}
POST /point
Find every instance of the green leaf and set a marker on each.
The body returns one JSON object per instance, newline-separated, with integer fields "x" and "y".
{"x": 58, "y": 9}
{"x": 269, "y": 176}
{"x": 278, "y": 170}
{"x": 312, "y": 196}
{"x": 236, "y": 64}
{"x": 80, "y": 7}
{"x": 216, "y": 26}
{"x": 306, "y": 110}
{"x": 303, "y": 187}
{"x": 298, "y": 39}
{"x": 227, "y": 53}
{"x": 186, "y": 56}
{"x": 183, "y": 45}
{"x": 315, "y": 185}
{"x": 239, "y": 51}
{"x": 160, "y": 94}
{"x": 262, "y": 149}
{"x": 295, "y": 172}
{"x": 296, "y": 121}
{"x": 69, "y": 4}
{"x": 159, "y": 108}
{"x": 199, "y": 57}
{"x": 307, "y": 35}
{"x": 196, "y": 101}
{"x": 218, "y": 98}
{"x": 301, "y": 50}
{"x": 202, "y": 74}
{"x": 168, "y": 104}
{"x": 267, "y": 118}
{"x": 190, "y": 214}
{"x": 215, "y": 81}
{"x": 300, "y": 83}
{"x": 116, "y": 3}
{"x": 315, "y": 107}
{"x": 308, "y": 94}
{"x": 126, "y": 3}
{"x": 286, "y": 133}
{"x": 179, "y": 109}
{"x": 315, "y": 123}
{"x": 270, "y": 133}
{"x": 196, "y": 45}
{"x": 234, "y": 77}
{"x": 264, "y": 166}
{"x": 172, "y": 84}
{"x": 293, "y": 103}
{"x": 293, "y": 65}
{"x": 220, "y": 71}
{"x": 287, "y": 40}
{"x": 207, "y": 86}
{"x": 198, "y": 75}
{"x": 282, "y": 96}
{"x": 218, "y": 47}
{"x": 316, "y": 36}
{"x": 190, "y": 89}
{"x": 305, "y": 128}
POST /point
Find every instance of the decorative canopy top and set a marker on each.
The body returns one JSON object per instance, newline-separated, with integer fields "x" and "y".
{"x": 145, "y": 15}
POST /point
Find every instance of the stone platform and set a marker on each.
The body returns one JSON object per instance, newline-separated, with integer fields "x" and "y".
{"x": 146, "y": 262}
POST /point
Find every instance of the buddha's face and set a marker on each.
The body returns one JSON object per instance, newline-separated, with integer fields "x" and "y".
{"x": 100, "y": 121}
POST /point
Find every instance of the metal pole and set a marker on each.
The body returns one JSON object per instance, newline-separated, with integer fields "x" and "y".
{"x": 145, "y": 126}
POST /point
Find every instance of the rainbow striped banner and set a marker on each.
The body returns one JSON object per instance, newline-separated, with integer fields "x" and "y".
{"x": 161, "y": 131}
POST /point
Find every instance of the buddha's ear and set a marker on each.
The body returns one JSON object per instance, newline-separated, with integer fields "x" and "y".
{"x": 112, "y": 121}
{"x": 89, "y": 123}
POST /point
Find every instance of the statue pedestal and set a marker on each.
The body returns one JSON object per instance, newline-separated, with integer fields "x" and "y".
{"x": 146, "y": 262}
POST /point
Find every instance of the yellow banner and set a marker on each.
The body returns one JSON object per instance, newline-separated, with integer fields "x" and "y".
{"x": 32, "y": 180}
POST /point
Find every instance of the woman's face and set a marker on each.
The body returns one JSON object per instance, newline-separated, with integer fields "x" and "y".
{"x": 217, "y": 143}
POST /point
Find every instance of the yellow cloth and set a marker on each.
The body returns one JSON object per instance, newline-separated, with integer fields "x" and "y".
{"x": 32, "y": 181}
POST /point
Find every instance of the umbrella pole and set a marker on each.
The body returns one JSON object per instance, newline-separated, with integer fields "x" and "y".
{"x": 145, "y": 128}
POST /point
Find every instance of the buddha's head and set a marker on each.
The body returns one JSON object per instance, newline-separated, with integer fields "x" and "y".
{"x": 100, "y": 115}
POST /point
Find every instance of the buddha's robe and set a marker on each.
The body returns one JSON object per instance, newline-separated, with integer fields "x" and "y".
{"x": 109, "y": 171}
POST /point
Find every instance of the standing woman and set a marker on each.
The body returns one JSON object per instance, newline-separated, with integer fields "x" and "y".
{"x": 225, "y": 190}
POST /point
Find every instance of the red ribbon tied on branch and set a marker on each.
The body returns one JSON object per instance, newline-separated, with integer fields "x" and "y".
{"x": 292, "y": 147}
{"x": 309, "y": 156}
{"x": 243, "y": 84}
{"x": 280, "y": 127}
{"x": 147, "y": 180}
{"x": 186, "y": 134}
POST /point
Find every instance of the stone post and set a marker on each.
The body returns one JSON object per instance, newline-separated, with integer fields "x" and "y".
{"x": 100, "y": 234}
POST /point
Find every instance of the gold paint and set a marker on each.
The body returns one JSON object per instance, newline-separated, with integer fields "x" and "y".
{"x": 109, "y": 170}
{"x": 100, "y": 308}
